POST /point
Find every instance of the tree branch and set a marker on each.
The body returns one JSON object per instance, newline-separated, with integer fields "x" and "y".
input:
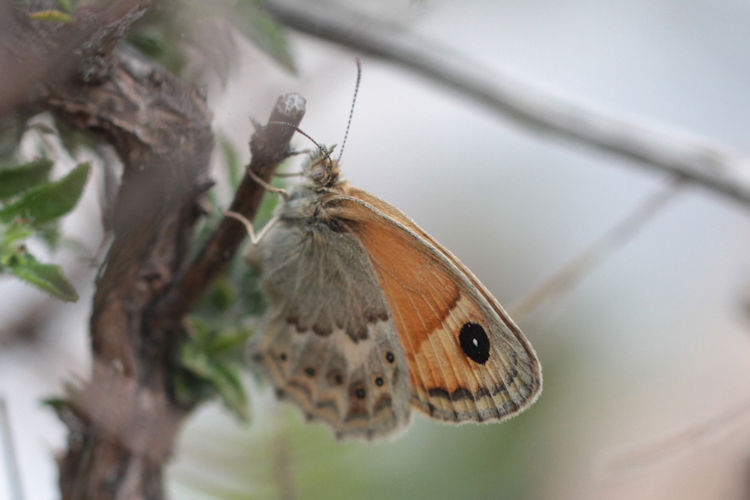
{"x": 583, "y": 263}
{"x": 128, "y": 413}
{"x": 123, "y": 422}
{"x": 269, "y": 146}
{"x": 699, "y": 161}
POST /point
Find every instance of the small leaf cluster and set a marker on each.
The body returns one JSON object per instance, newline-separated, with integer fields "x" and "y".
{"x": 210, "y": 361}
{"x": 29, "y": 201}
{"x": 213, "y": 354}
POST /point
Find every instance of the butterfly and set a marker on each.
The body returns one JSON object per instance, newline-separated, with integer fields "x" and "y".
{"x": 368, "y": 317}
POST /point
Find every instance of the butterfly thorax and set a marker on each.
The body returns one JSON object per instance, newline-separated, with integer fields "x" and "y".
{"x": 306, "y": 206}
{"x": 308, "y": 201}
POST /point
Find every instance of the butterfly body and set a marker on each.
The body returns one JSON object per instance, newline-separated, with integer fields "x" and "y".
{"x": 368, "y": 317}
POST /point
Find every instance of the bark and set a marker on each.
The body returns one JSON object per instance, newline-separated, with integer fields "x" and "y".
{"x": 126, "y": 417}
{"x": 123, "y": 421}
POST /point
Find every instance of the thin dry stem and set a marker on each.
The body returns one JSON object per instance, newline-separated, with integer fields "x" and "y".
{"x": 702, "y": 162}
{"x": 670, "y": 445}
{"x": 611, "y": 241}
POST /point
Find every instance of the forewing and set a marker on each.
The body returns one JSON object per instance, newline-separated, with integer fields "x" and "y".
{"x": 467, "y": 360}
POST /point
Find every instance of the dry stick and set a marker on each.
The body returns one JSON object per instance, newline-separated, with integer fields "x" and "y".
{"x": 614, "y": 239}
{"x": 668, "y": 445}
{"x": 122, "y": 423}
{"x": 269, "y": 146}
{"x": 699, "y": 161}
{"x": 11, "y": 459}
{"x": 161, "y": 131}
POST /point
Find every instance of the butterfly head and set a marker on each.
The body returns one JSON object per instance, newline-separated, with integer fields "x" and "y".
{"x": 322, "y": 169}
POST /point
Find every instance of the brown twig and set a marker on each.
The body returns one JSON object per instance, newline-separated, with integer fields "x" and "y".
{"x": 699, "y": 161}
{"x": 269, "y": 146}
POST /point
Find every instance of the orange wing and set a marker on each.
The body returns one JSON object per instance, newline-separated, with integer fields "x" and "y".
{"x": 467, "y": 360}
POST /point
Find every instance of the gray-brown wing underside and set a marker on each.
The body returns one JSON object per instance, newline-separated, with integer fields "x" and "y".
{"x": 328, "y": 341}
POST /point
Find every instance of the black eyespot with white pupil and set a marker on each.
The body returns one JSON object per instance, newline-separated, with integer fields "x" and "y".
{"x": 474, "y": 342}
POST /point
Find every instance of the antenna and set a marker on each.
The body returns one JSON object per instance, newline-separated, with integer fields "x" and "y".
{"x": 351, "y": 111}
{"x": 323, "y": 150}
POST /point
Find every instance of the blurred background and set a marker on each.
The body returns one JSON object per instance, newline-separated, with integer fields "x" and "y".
{"x": 646, "y": 355}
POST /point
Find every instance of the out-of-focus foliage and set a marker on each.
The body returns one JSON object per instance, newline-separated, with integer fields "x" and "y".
{"x": 280, "y": 452}
{"x": 211, "y": 361}
{"x": 214, "y": 352}
{"x": 46, "y": 202}
{"x": 175, "y": 31}
{"x": 14, "y": 180}
{"x": 61, "y": 14}
{"x": 260, "y": 28}
{"x": 28, "y": 201}
{"x": 67, "y": 5}
{"x": 235, "y": 295}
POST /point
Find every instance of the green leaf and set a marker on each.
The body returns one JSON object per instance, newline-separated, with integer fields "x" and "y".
{"x": 47, "y": 277}
{"x": 228, "y": 344}
{"x": 51, "y": 15}
{"x": 252, "y": 300}
{"x": 66, "y": 6}
{"x": 263, "y": 30}
{"x": 14, "y": 180}
{"x": 49, "y": 201}
{"x": 10, "y": 234}
{"x": 208, "y": 356}
{"x": 221, "y": 295}
{"x": 227, "y": 382}
{"x": 55, "y": 402}
{"x": 223, "y": 344}
{"x": 50, "y": 234}
{"x": 158, "y": 46}
{"x": 221, "y": 376}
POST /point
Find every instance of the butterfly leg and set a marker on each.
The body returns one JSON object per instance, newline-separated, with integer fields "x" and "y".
{"x": 289, "y": 174}
{"x": 295, "y": 152}
{"x": 281, "y": 192}
{"x": 255, "y": 239}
